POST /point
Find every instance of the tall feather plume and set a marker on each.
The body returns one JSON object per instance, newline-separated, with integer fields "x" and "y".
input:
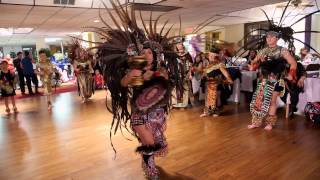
{"x": 164, "y": 25}
{"x": 150, "y": 26}
{"x": 133, "y": 16}
{"x": 203, "y": 26}
{"x": 144, "y": 25}
{"x": 180, "y": 26}
{"x": 264, "y": 12}
{"x": 111, "y": 16}
{"x": 304, "y": 17}
{"x": 284, "y": 12}
{"x": 203, "y": 22}
{"x": 166, "y": 35}
{"x": 103, "y": 21}
{"x": 156, "y": 24}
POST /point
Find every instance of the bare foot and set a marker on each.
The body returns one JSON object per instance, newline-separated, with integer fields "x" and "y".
{"x": 15, "y": 109}
{"x": 215, "y": 115}
{"x": 268, "y": 127}
{"x": 49, "y": 107}
{"x": 252, "y": 126}
{"x": 204, "y": 115}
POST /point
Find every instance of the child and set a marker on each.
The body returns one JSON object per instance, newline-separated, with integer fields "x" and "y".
{"x": 45, "y": 70}
{"x": 7, "y": 86}
{"x": 98, "y": 79}
{"x": 216, "y": 74}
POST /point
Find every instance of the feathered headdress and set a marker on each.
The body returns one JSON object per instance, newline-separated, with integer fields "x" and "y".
{"x": 126, "y": 39}
{"x": 77, "y": 52}
{"x": 285, "y": 32}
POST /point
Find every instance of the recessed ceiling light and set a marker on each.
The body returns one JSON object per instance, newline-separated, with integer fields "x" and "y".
{"x": 22, "y": 30}
{"x": 96, "y": 21}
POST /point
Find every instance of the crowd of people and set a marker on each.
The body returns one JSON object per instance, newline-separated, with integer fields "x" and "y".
{"x": 146, "y": 81}
{"x": 25, "y": 71}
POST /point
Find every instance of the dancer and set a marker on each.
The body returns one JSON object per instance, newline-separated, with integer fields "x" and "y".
{"x": 196, "y": 74}
{"x": 182, "y": 100}
{"x": 7, "y": 86}
{"x": 217, "y": 75}
{"x": 81, "y": 59}
{"x": 45, "y": 69}
{"x": 271, "y": 62}
{"x": 139, "y": 70}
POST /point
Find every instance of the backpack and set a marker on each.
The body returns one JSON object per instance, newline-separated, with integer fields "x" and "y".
{"x": 312, "y": 112}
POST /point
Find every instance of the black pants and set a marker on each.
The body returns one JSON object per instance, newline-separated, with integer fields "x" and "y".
{"x": 34, "y": 80}
{"x": 294, "y": 92}
{"x": 21, "y": 82}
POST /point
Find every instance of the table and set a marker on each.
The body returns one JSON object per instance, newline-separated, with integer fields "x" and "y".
{"x": 247, "y": 79}
{"x": 311, "y": 93}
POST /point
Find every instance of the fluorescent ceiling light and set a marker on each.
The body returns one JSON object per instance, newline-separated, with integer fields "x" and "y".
{"x": 146, "y": 1}
{"x": 75, "y": 33}
{"x": 6, "y": 31}
{"x": 10, "y": 31}
{"x": 48, "y": 40}
{"x": 22, "y": 30}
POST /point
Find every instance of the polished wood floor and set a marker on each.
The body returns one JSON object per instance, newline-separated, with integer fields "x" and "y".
{"x": 73, "y": 142}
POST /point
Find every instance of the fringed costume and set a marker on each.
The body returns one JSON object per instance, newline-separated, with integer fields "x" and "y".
{"x": 81, "y": 59}
{"x": 139, "y": 70}
{"x": 215, "y": 81}
{"x": 271, "y": 61}
{"x": 46, "y": 71}
{"x": 272, "y": 74}
{"x": 182, "y": 98}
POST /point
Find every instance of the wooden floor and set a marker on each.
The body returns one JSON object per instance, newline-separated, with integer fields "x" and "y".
{"x": 73, "y": 142}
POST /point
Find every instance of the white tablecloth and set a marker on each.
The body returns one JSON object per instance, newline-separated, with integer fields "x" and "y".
{"x": 235, "y": 97}
{"x": 311, "y": 93}
{"x": 247, "y": 79}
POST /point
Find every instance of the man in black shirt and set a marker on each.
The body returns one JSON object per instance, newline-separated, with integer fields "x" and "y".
{"x": 17, "y": 65}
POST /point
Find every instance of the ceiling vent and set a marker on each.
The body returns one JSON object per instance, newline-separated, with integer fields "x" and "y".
{"x": 153, "y": 7}
{"x": 64, "y": 2}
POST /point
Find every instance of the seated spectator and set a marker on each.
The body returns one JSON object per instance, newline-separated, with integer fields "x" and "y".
{"x": 98, "y": 79}
{"x": 251, "y": 55}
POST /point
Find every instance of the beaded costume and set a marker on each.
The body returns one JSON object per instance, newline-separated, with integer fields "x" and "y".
{"x": 81, "y": 59}
{"x": 143, "y": 102}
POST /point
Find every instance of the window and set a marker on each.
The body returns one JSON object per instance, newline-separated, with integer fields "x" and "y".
{"x": 253, "y": 36}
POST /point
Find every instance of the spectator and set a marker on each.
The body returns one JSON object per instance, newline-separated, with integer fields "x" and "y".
{"x": 251, "y": 55}
{"x": 17, "y": 65}
{"x": 28, "y": 72}
{"x": 98, "y": 80}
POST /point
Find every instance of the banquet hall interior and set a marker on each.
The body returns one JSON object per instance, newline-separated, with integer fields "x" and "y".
{"x": 50, "y": 128}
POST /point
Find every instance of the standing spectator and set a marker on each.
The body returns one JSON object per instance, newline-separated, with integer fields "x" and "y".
{"x": 17, "y": 65}
{"x": 28, "y": 72}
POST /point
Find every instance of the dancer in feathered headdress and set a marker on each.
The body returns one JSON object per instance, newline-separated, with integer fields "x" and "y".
{"x": 82, "y": 64}
{"x": 271, "y": 62}
{"x": 139, "y": 69}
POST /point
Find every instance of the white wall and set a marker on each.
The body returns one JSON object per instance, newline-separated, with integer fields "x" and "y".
{"x": 234, "y": 33}
{"x": 8, "y": 49}
{"x": 301, "y": 36}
